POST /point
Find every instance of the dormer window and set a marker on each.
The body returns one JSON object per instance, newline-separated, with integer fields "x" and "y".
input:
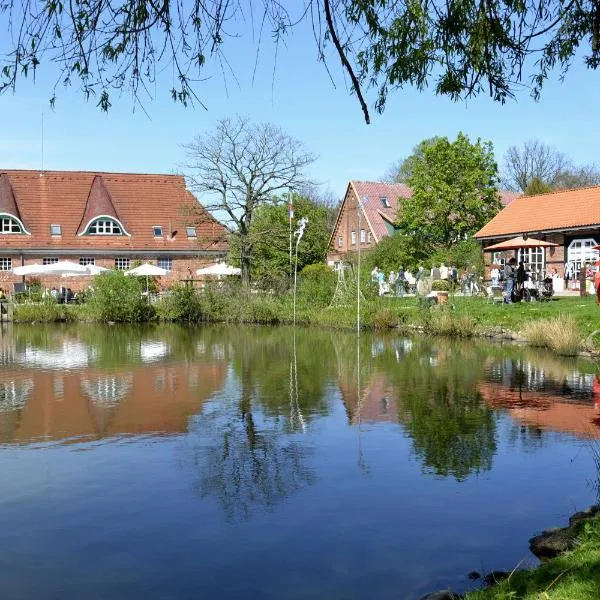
{"x": 190, "y": 232}
{"x": 10, "y": 225}
{"x": 104, "y": 226}
{"x": 157, "y": 230}
{"x": 384, "y": 202}
{"x": 55, "y": 230}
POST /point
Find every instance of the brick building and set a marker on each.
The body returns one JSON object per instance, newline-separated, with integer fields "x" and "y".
{"x": 569, "y": 218}
{"x": 106, "y": 219}
{"x": 380, "y": 203}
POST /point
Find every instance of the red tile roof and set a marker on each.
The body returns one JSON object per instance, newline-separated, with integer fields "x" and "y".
{"x": 8, "y": 204}
{"x": 555, "y": 211}
{"x": 67, "y": 198}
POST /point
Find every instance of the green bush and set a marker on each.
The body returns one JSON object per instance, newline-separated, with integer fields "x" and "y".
{"x": 44, "y": 312}
{"x": 440, "y": 285}
{"x": 183, "y": 304}
{"x": 316, "y": 285}
{"x": 384, "y": 318}
{"x": 116, "y": 297}
{"x": 259, "y": 310}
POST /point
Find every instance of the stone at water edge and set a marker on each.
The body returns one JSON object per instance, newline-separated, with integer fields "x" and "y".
{"x": 552, "y": 543}
{"x": 474, "y": 575}
{"x": 442, "y": 595}
{"x": 584, "y": 515}
{"x": 495, "y": 577}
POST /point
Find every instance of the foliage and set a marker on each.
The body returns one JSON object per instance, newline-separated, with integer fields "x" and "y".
{"x": 453, "y": 192}
{"x": 440, "y": 285}
{"x": 119, "y": 298}
{"x": 42, "y": 312}
{"x": 464, "y": 254}
{"x": 269, "y": 235}
{"x": 402, "y": 170}
{"x": 396, "y": 251}
{"x": 317, "y": 285}
{"x": 560, "y": 334}
{"x": 182, "y": 304}
{"x": 536, "y": 168}
{"x": 240, "y": 166}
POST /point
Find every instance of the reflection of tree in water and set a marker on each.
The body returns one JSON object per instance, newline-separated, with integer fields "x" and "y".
{"x": 248, "y": 455}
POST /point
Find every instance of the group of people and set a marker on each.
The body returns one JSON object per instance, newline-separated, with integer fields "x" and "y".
{"x": 397, "y": 282}
{"x": 62, "y": 295}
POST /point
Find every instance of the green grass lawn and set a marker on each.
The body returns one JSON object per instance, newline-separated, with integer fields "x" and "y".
{"x": 571, "y": 576}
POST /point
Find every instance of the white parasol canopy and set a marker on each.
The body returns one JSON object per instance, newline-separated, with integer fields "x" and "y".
{"x": 90, "y": 270}
{"x": 147, "y": 270}
{"x": 64, "y": 267}
{"x": 34, "y": 269}
{"x": 219, "y": 269}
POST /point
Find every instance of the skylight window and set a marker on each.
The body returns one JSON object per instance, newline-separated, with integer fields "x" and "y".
{"x": 55, "y": 230}
{"x": 384, "y": 202}
{"x": 157, "y": 230}
{"x": 191, "y": 232}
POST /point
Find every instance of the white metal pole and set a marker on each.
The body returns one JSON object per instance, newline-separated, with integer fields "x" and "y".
{"x": 358, "y": 214}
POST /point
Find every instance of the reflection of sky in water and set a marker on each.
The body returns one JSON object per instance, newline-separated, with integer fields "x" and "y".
{"x": 153, "y": 350}
{"x": 71, "y": 355}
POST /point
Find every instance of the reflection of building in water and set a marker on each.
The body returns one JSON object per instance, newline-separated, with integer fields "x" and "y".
{"x": 377, "y": 401}
{"x": 92, "y": 403}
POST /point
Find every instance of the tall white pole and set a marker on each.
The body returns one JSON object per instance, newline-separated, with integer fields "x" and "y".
{"x": 358, "y": 214}
{"x": 290, "y": 216}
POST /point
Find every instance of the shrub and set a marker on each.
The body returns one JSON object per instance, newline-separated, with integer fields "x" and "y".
{"x": 45, "y": 312}
{"x": 560, "y": 334}
{"x": 440, "y": 285}
{"x": 316, "y": 285}
{"x": 183, "y": 304}
{"x": 259, "y": 310}
{"x": 437, "y": 321}
{"x": 116, "y": 297}
{"x": 384, "y": 318}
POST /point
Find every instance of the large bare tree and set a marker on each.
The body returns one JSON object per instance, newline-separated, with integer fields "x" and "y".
{"x": 238, "y": 167}
{"x": 460, "y": 48}
{"x": 537, "y": 162}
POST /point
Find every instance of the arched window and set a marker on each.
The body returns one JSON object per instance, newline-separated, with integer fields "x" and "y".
{"x": 105, "y": 226}
{"x": 9, "y": 224}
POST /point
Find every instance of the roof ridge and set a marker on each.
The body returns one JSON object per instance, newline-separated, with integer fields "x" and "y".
{"x": 88, "y": 172}
{"x": 561, "y": 191}
{"x": 379, "y": 182}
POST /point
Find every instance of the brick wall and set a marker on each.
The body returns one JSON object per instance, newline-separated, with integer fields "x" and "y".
{"x": 182, "y": 268}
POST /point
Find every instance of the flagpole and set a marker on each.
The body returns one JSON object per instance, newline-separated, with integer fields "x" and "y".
{"x": 290, "y": 216}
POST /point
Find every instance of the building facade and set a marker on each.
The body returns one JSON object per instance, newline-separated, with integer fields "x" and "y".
{"x": 569, "y": 218}
{"x": 107, "y": 219}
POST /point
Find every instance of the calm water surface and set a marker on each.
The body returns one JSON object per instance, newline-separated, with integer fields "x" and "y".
{"x": 166, "y": 462}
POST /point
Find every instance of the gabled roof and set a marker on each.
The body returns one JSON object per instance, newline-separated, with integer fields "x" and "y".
{"x": 139, "y": 201}
{"x": 555, "y": 211}
{"x": 99, "y": 204}
{"x": 371, "y": 193}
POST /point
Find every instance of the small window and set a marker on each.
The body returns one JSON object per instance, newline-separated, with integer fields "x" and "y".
{"x": 340, "y": 241}
{"x": 191, "y": 232}
{"x": 165, "y": 262}
{"x": 384, "y": 202}
{"x": 87, "y": 260}
{"x": 5, "y": 264}
{"x": 369, "y": 237}
{"x": 353, "y": 238}
{"x": 55, "y": 230}
{"x": 157, "y": 230}
{"x": 363, "y": 236}
{"x": 122, "y": 264}
{"x": 104, "y": 227}
{"x": 10, "y": 225}
{"x": 49, "y": 260}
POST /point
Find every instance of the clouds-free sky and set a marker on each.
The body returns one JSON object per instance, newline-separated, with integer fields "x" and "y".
{"x": 297, "y": 94}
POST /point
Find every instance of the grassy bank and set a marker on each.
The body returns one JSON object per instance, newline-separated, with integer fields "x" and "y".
{"x": 574, "y": 575}
{"x": 564, "y": 325}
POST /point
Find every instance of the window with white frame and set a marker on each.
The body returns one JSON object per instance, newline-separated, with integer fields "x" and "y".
{"x": 384, "y": 202}
{"x": 340, "y": 241}
{"x": 104, "y": 227}
{"x": 165, "y": 262}
{"x": 87, "y": 260}
{"x": 499, "y": 259}
{"x": 10, "y": 225}
{"x": 5, "y": 263}
{"x": 534, "y": 259}
{"x": 49, "y": 260}
{"x": 190, "y": 232}
{"x": 363, "y": 236}
{"x": 353, "y": 238}
{"x": 122, "y": 264}
{"x": 369, "y": 237}
{"x": 55, "y": 230}
{"x": 157, "y": 231}
{"x": 580, "y": 251}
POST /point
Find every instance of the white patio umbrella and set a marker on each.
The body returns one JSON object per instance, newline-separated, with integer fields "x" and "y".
{"x": 34, "y": 269}
{"x": 147, "y": 270}
{"x": 64, "y": 267}
{"x": 90, "y": 270}
{"x": 219, "y": 269}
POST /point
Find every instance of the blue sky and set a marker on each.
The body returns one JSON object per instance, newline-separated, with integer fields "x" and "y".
{"x": 302, "y": 100}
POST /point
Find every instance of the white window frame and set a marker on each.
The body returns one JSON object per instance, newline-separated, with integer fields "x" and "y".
{"x": 55, "y": 229}
{"x": 104, "y": 225}
{"x": 10, "y": 225}
{"x": 353, "y": 238}
{"x": 84, "y": 261}
{"x": 49, "y": 260}
{"x": 583, "y": 253}
{"x": 157, "y": 230}
{"x": 384, "y": 201}
{"x": 363, "y": 236}
{"x": 340, "y": 241}
{"x": 122, "y": 263}
{"x": 534, "y": 259}
{"x": 191, "y": 232}
{"x": 369, "y": 237}
{"x": 5, "y": 263}
{"x": 165, "y": 260}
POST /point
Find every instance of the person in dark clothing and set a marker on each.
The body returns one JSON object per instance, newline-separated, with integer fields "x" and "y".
{"x": 509, "y": 280}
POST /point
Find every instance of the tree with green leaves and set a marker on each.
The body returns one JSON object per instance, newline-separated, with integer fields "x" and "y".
{"x": 453, "y": 192}
{"x": 239, "y": 167}
{"x": 402, "y": 170}
{"x": 537, "y": 186}
{"x": 460, "y": 48}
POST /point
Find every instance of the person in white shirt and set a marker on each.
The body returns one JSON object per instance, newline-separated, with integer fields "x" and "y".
{"x": 443, "y": 271}
{"x": 495, "y": 275}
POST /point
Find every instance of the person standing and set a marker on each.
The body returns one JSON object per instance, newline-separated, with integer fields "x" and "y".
{"x": 400, "y": 282}
{"x": 443, "y": 272}
{"x": 509, "y": 280}
{"x": 597, "y": 285}
{"x": 495, "y": 275}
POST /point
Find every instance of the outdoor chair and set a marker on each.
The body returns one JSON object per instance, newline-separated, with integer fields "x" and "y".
{"x": 495, "y": 294}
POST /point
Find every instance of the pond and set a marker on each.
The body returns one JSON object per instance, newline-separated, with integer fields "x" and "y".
{"x": 225, "y": 462}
